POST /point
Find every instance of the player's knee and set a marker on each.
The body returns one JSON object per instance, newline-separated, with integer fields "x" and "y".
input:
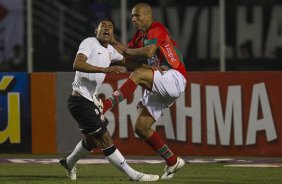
{"x": 105, "y": 140}
{"x": 137, "y": 75}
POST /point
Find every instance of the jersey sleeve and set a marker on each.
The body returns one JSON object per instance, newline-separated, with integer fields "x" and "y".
{"x": 85, "y": 47}
{"x": 156, "y": 35}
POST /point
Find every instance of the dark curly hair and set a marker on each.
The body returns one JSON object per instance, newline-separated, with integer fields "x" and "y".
{"x": 105, "y": 19}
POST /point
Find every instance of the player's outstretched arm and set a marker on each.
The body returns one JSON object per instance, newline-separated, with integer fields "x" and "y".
{"x": 147, "y": 51}
{"x": 118, "y": 45}
{"x": 81, "y": 65}
{"x": 131, "y": 64}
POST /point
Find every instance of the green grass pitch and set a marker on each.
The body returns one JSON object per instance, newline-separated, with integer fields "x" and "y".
{"x": 200, "y": 173}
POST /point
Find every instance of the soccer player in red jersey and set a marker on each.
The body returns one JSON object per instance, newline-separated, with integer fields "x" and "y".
{"x": 164, "y": 80}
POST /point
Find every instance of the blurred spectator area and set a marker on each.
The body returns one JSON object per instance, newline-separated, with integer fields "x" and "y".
{"x": 253, "y": 31}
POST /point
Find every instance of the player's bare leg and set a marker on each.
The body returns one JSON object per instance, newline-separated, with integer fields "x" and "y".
{"x": 143, "y": 128}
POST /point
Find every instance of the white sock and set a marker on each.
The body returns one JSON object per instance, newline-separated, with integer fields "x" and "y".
{"x": 78, "y": 153}
{"x": 117, "y": 159}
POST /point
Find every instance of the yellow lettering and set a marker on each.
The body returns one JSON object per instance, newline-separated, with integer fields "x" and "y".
{"x": 12, "y": 130}
{"x": 5, "y": 82}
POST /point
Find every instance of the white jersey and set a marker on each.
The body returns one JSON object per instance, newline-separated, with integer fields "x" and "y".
{"x": 87, "y": 84}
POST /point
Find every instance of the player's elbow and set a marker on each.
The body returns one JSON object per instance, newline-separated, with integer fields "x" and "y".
{"x": 150, "y": 54}
{"x": 75, "y": 66}
{"x": 79, "y": 61}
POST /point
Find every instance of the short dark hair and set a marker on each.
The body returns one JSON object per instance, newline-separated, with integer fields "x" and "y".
{"x": 105, "y": 19}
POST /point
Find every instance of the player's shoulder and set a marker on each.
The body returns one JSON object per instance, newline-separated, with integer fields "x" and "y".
{"x": 90, "y": 41}
{"x": 158, "y": 25}
{"x": 111, "y": 48}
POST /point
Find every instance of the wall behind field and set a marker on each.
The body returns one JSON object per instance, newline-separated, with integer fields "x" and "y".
{"x": 231, "y": 113}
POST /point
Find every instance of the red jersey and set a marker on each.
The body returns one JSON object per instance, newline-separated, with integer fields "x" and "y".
{"x": 167, "y": 53}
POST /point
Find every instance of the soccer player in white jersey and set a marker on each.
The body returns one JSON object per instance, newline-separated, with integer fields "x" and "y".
{"x": 92, "y": 63}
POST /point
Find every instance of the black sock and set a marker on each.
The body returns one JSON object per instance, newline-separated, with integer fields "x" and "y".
{"x": 85, "y": 146}
{"x": 108, "y": 151}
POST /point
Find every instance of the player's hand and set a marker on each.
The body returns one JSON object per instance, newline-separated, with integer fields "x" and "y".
{"x": 114, "y": 69}
{"x": 117, "y": 45}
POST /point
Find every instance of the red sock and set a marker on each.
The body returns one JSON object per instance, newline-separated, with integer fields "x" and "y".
{"x": 125, "y": 91}
{"x": 159, "y": 146}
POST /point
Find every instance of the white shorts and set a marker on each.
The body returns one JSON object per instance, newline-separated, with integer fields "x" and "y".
{"x": 167, "y": 87}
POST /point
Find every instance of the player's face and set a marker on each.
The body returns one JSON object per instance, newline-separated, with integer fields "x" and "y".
{"x": 105, "y": 31}
{"x": 139, "y": 19}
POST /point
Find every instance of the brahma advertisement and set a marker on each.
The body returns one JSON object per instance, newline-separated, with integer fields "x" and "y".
{"x": 233, "y": 113}
{"x": 220, "y": 114}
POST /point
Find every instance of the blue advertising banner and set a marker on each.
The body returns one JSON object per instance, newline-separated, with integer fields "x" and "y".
{"x": 15, "y": 121}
